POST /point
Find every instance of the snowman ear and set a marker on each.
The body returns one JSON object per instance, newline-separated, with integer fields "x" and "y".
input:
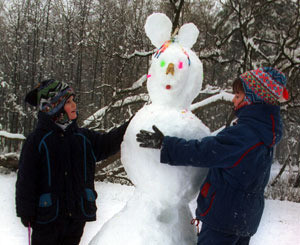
{"x": 187, "y": 35}
{"x": 158, "y": 28}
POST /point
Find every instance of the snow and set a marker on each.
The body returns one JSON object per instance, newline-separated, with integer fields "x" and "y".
{"x": 158, "y": 35}
{"x": 137, "y": 53}
{"x": 176, "y": 74}
{"x": 188, "y": 34}
{"x": 280, "y": 222}
{"x": 98, "y": 115}
{"x": 4, "y": 84}
{"x": 220, "y": 96}
{"x": 10, "y": 155}
{"x": 11, "y": 135}
{"x": 185, "y": 85}
{"x": 159, "y": 205}
{"x": 137, "y": 84}
{"x": 282, "y": 217}
{"x": 158, "y": 210}
{"x": 101, "y": 112}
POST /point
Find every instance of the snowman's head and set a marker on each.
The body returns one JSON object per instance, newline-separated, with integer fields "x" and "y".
{"x": 176, "y": 74}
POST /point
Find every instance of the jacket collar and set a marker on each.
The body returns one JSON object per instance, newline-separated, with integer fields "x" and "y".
{"x": 45, "y": 122}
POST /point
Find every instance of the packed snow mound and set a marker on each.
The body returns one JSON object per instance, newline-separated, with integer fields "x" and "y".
{"x": 158, "y": 213}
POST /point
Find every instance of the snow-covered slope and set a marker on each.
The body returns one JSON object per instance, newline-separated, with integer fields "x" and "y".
{"x": 280, "y": 223}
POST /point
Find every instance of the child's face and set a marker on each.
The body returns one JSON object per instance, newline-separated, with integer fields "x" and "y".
{"x": 238, "y": 98}
{"x": 70, "y": 108}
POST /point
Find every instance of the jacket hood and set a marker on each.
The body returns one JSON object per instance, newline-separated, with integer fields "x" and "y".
{"x": 264, "y": 119}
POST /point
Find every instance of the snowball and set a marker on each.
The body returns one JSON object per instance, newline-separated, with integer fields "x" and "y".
{"x": 158, "y": 213}
{"x": 181, "y": 88}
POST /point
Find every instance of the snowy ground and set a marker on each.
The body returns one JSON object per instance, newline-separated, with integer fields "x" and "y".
{"x": 280, "y": 223}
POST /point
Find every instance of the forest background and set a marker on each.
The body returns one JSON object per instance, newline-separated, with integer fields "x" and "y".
{"x": 100, "y": 48}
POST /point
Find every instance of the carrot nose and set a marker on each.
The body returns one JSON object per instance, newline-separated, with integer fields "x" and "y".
{"x": 170, "y": 69}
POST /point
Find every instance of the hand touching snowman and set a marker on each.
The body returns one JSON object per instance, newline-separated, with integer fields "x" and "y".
{"x": 149, "y": 139}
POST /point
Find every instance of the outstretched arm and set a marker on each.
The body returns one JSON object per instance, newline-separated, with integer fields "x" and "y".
{"x": 223, "y": 150}
{"x": 107, "y": 144}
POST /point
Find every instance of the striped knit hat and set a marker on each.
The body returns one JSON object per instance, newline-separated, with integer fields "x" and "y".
{"x": 50, "y": 96}
{"x": 264, "y": 85}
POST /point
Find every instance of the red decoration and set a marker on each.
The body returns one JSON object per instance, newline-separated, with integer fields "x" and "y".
{"x": 168, "y": 86}
{"x": 285, "y": 94}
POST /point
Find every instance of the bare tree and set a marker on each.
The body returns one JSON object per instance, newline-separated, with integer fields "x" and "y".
{"x": 100, "y": 48}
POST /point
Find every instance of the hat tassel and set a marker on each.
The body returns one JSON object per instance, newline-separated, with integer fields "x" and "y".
{"x": 285, "y": 94}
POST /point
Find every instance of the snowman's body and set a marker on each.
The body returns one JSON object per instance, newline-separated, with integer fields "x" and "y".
{"x": 158, "y": 213}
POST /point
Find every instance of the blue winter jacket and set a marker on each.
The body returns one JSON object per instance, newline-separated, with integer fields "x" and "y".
{"x": 239, "y": 159}
{"x": 57, "y": 168}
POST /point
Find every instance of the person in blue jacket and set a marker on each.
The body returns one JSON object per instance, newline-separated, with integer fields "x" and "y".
{"x": 231, "y": 199}
{"x": 55, "y": 192}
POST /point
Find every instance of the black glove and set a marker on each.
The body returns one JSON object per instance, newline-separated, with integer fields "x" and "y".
{"x": 150, "y": 139}
{"x": 26, "y": 220}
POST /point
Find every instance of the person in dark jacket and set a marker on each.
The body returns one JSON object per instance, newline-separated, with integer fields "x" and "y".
{"x": 55, "y": 192}
{"x": 231, "y": 199}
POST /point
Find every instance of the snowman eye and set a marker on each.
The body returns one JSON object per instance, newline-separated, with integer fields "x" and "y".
{"x": 162, "y": 63}
{"x": 180, "y": 65}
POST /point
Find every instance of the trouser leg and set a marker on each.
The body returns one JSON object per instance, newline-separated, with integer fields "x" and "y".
{"x": 208, "y": 236}
{"x": 62, "y": 232}
{"x": 45, "y": 234}
{"x": 243, "y": 241}
{"x": 73, "y": 232}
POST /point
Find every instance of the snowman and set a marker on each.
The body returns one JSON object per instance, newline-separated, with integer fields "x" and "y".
{"x": 158, "y": 212}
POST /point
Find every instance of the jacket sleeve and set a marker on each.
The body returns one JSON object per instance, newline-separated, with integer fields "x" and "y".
{"x": 221, "y": 151}
{"x": 107, "y": 144}
{"x": 26, "y": 194}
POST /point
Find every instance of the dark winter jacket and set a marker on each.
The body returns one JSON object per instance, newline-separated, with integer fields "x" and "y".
{"x": 239, "y": 159}
{"x": 56, "y": 170}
